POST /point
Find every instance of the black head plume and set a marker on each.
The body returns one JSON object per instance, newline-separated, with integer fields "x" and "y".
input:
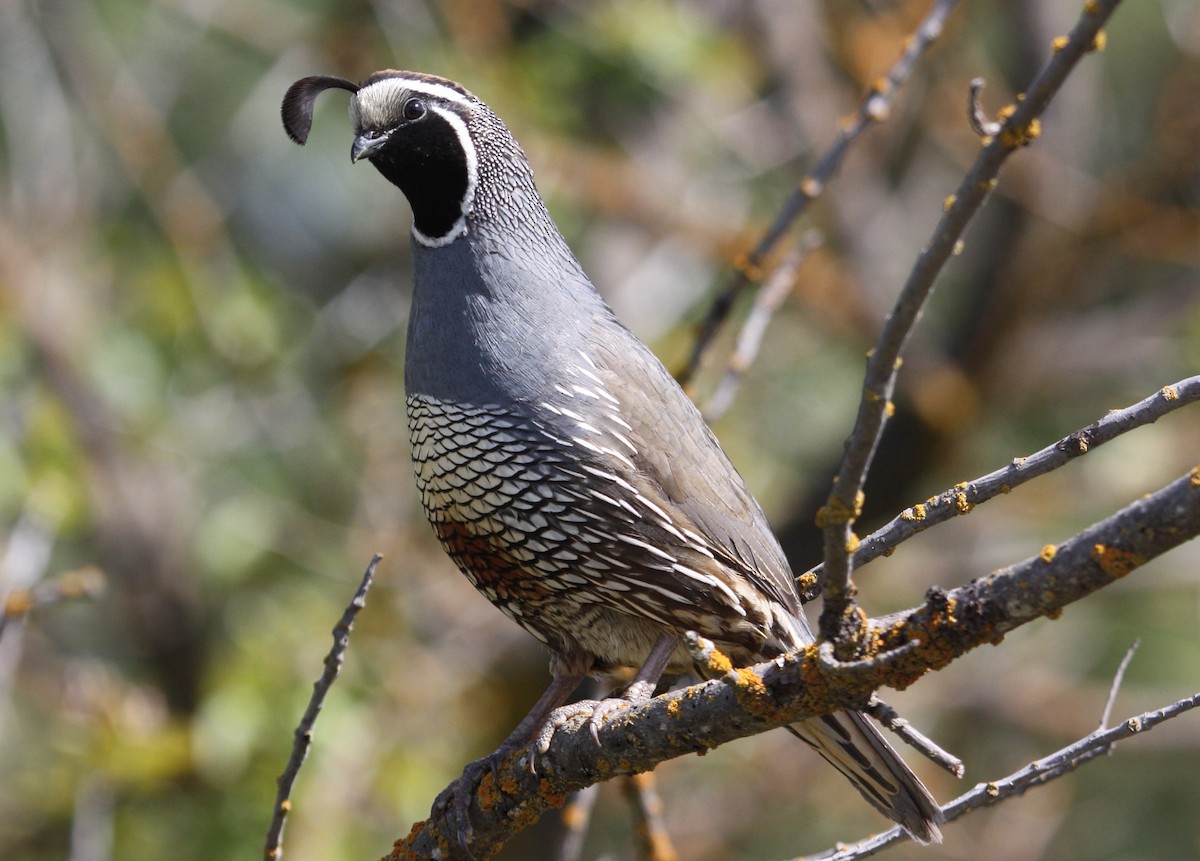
{"x": 297, "y": 107}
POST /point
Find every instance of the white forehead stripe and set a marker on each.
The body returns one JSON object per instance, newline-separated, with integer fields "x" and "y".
{"x": 376, "y": 103}
{"x": 379, "y": 106}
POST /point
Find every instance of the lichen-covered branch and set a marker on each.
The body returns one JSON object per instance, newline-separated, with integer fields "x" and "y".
{"x": 1036, "y": 773}
{"x": 840, "y": 622}
{"x": 743, "y": 702}
{"x": 964, "y": 497}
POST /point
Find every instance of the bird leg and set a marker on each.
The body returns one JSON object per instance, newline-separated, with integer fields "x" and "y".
{"x": 638, "y": 691}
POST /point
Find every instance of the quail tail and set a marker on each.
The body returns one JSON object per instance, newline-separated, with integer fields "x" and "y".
{"x": 859, "y": 751}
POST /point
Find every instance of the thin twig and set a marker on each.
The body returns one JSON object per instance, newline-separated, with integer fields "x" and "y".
{"x": 964, "y": 497}
{"x": 87, "y": 582}
{"x": 911, "y": 736}
{"x": 975, "y": 115}
{"x": 302, "y": 738}
{"x": 767, "y": 301}
{"x": 654, "y": 844}
{"x": 874, "y": 108}
{"x": 1037, "y": 773}
{"x": 1020, "y": 127}
{"x": 1118, "y": 678}
{"x": 576, "y": 817}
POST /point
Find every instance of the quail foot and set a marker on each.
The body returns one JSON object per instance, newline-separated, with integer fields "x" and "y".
{"x": 563, "y": 469}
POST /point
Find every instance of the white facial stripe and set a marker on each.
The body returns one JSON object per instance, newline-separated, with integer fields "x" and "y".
{"x": 468, "y": 200}
{"x": 377, "y": 106}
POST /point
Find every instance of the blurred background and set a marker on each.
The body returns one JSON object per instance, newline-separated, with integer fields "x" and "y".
{"x": 201, "y": 341}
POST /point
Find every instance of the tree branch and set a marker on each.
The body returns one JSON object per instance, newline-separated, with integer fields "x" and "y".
{"x": 750, "y": 700}
{"x": 302, "y": 737}
{"x": 1037, "y": 773}
{"x": 964, "y": 497}
{"x": 840, "y": 620}
{"x": 874, "y": 108}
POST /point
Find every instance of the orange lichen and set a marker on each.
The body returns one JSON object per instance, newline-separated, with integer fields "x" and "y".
{"x": 752, "y": 694}
{"x": 750, "y": 270}
{"x": 717, "y": 663}
{"x": 962, "y": 503}
{"x": 18, "y": 602}
{"x": 1114, "y": 561}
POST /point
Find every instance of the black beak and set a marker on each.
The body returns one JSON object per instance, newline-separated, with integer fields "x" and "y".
{"x": 367, "y": 144}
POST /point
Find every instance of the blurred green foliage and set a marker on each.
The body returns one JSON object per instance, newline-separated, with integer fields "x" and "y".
{"x": 201, "y": 332}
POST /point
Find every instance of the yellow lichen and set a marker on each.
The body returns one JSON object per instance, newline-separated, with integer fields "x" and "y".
{"x": 718, "y": 664}
{"x": 1114, "y": 561}
{"x": 962, "y": 503}
{"x": 749, "y": 269}
{"x": 852, "y": 543}
{"x": 948, "y": 203}
{"x": 1048, "y": 553}
{"x": 18, "y": 602}
{"x": 916, "y": 513}
{"x": 1169, "y": 393}
{"x": 1100, "y": 42}
{"x": 1015, "y": 137}
{"x": 1059, "y": 43}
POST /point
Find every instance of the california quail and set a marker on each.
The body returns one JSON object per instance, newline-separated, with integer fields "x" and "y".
{"x": 562, "y": 468}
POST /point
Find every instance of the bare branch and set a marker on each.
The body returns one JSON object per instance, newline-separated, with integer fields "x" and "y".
{"x": 654, "y": 844}
{"x": 839, "y": 620}
{"x": 745, "y": 701}
{"x": 975, "y": 115}
{"x": 302, "y": 738}
{"x": 87, "y": 582}
{"x": 768, "y": 300}
{"x": 915, "y": 739}
{"x": 1037, "y": 773}
{"x": 964, "y": 497}
{"x": 1118, "y": 678}
{"x": 874, "y": 108}
{"x": 576, "y": 817}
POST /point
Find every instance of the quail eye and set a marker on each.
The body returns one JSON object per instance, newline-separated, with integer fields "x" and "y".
{"x": 414, "y": 109}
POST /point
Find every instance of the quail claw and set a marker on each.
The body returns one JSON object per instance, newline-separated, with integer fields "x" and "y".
{"x": 456, "y": 799}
